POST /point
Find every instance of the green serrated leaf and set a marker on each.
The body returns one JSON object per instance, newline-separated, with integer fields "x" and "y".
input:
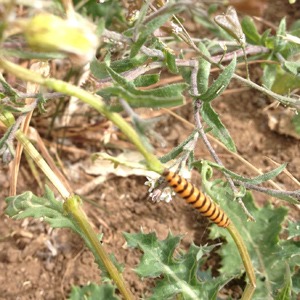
{"x": 285, "y": 291}
{"x": 250, "y": 31}
{"x": 217, "y": 128}
{"x": 290, "y": 251}
{"x": 93, "y": 292}
{"x": 203, "y": 71}
{"x": 268, "y": 256}
{"x": 296, "y": 282}
{"x": 156, "y": 254}
{"x": 18, "y": 108}
{"x": 178, "y": 271}
{"x": 28, "y": 205}
{"x": 294, "y": 229}
{"x": 220, "y": 84}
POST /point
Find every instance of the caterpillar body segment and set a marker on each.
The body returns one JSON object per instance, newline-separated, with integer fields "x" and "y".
{"x": 195, "y": 197}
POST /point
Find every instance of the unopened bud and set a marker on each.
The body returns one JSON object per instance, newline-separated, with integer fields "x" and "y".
{"x": 76, "y": 37}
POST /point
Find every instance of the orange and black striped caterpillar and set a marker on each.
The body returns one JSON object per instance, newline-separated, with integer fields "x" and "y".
{"x": 194, "y": 196}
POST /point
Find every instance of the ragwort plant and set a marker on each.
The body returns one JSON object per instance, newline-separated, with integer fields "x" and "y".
{"x": 271, "y": 264}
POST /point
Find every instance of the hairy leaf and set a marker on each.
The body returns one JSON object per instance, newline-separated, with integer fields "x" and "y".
{"x": 170, "y": 95}
{"x": 220, "y": 84}
{"x": 93, "y": 292}
{"x": 266, "y": 40}
{"x": 293, "y": 67}
{"x": 151, "y": 26}
{"x": 283, "y": 196}
{"x": 146, "y": 80}
{"x": 250, "y": 31}
{"x": 269, "y": 75}
{"x": 177, "y": 150}
{"x": 285, "y": 82}
{"x": 285, "y": 291}
{"x": 28, "y": 205}
{"x": 217, "y": 128}
{"x": 179, "y": 271}
{"x": 219, "y": 189}
{"x": 296, "y": 282}
{"x": 99, "y": 70}
{"x": 203, "y": 71}
{"x": 255, "y": 180}
{"x": 294, "y": 229}
{"x": 281, "y": 31}
{"x": 170, "y": 62}
{"x": 269, "y": 255}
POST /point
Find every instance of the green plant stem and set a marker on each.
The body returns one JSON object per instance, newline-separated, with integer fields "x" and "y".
{"x": 251, "y": 285}
{"x": 73, "y": 207}
{"x": 95, "y": 101}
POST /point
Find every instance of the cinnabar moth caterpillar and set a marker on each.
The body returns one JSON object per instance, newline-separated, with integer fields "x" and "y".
{"x": 195, "y": 197}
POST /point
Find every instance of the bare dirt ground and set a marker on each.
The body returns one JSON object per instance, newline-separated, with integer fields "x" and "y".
{"x": 37, "y": 262}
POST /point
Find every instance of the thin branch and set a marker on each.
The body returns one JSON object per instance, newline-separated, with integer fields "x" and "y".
{"x": 295, "y": 194}
{"x": 250, "y": 50}
{"x": 198, "y": 104}
{"x": 288, "y": 101}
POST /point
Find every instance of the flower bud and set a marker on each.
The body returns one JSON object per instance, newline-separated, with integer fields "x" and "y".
{"x": 75, "y": 37}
